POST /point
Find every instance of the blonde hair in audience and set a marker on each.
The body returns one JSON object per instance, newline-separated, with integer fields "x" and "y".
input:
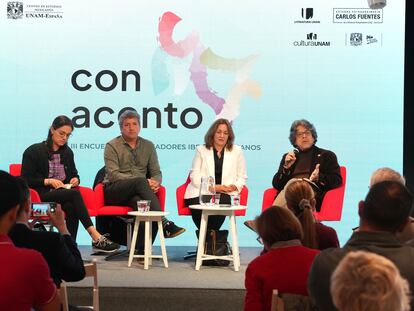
{"x": 300, "y": 199}
{"x": 369, "y": 282}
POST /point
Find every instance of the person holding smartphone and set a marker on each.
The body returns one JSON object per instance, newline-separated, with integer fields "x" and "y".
{"x": 49, "y": 168}
{"x": 25, "y": 282}
{"x": 58, "y": 248}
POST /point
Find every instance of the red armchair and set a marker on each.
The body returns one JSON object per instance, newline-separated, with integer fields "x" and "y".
{"x": 87, "y": 193}
{"x": 332, "y": 204}
{"x": 119, "y": 210}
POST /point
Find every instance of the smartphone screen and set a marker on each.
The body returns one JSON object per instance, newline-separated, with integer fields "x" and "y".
{"x": 40, "y": 209}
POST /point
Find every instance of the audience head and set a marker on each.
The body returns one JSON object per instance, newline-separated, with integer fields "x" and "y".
{"x": 220, "y": 134}
{"x": 9, "y": 201}
{"x": 385, "y": 173}
{"x": 387, "y": 207}
{"x": 277, "y": 224}
{"x": 302, "y": 134}
{"x": 368, "y": 282}
{"x": 300, "y": 199}
{"x": 24, "y": 201}
{"x": 59, "y": 132}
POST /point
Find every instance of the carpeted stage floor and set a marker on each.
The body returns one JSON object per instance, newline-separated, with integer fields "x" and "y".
{"x": 178, "y": 287}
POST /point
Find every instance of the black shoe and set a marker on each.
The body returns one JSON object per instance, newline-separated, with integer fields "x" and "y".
{"x": 103, "y": 244}
{"x": 171, "y": 230}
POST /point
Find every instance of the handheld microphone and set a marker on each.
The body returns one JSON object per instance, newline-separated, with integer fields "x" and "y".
{"x": 296, "y": 152}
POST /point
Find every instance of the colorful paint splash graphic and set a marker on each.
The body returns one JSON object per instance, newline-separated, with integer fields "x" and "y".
{"x": 202, "y": 59}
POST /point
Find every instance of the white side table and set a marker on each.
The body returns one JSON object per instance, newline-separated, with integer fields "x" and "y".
{"x": 148, "y": 218}
{"x": 218, "y": 210}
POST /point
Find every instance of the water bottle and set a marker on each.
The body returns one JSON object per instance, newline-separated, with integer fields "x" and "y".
{"x": 207, "y": 190}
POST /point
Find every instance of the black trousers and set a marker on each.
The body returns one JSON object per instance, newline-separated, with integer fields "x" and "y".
{"x": 128, "y": 192}
{"x": 74, "y": 207}
{"x": 214, "y": 222}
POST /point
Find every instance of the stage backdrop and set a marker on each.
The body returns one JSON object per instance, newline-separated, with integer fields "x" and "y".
{"x": 182, "y": 64}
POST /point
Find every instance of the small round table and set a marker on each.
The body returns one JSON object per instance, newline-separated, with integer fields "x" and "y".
{"x": 148, "y": 218}
{"x": 208, "y": 210}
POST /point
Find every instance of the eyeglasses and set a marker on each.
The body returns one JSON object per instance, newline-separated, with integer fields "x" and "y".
{"x": 64, "y": 134}
{"x": 305, "y": 133}
{"x": 259, "y": 239}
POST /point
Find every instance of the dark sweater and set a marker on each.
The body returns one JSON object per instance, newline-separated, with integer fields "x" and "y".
{"x": 35, "y": 166}
{"x": 329, "y": 173}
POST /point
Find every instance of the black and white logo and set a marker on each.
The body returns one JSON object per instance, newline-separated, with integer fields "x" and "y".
{"x": 357, "y": 16}
{"x": 361, "y": 39}
{"x": 311, "y": 40}
{"x": 371, "y": 39}
{"x": 306, "y": 15}
{"x": 14, "y": 10}
{"x": 44, "y": 11}
{"x": 355, "y": 39}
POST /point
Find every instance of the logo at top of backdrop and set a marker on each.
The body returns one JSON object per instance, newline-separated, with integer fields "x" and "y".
{"x": 357, "y": 39}
{"x": 14, "y": 10}
{"x": 357, "y": 16}
{"x": 202, "y": 59}
{"x": 307, "y": 17}
{"x": 307, "y": 13}
{"x": 311, "y": 40}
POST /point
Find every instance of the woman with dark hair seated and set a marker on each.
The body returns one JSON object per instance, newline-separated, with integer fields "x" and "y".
{"x": 49, "y": 168}
{"x": 221, "y": 158}
{"x": 286, "y": 264}
{"x": 300, "y": 199}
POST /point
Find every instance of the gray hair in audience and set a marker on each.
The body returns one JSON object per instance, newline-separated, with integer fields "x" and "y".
{"x": 386, "y": 173}
{"x": 309, "y": 126}
{"x": 128, "y": 114}
{"x": 368, "y": 282}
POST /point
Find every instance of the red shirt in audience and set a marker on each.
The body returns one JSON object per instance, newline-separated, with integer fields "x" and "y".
{"x": 24, "y": 279}
{"x": 285, "y": 269}
{"x": 326, "y": 236}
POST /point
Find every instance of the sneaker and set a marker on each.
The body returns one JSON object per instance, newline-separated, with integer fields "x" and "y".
{"x": 171, "y": 230}
{"x": 251, "y": 224}
{"x": 103, "y": 244}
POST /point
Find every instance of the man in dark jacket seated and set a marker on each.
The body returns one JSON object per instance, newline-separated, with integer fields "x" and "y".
{"x": 319, "y": 167}
{"x": 59, "y": 249}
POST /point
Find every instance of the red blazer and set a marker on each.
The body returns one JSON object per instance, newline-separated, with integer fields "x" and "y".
{"x": 285, "y": 269}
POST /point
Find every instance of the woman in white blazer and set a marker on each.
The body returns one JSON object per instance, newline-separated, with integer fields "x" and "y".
{"x": 220, "y": 158}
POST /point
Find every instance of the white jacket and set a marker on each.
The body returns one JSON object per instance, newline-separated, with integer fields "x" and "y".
{"x": 233, "y": 173}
